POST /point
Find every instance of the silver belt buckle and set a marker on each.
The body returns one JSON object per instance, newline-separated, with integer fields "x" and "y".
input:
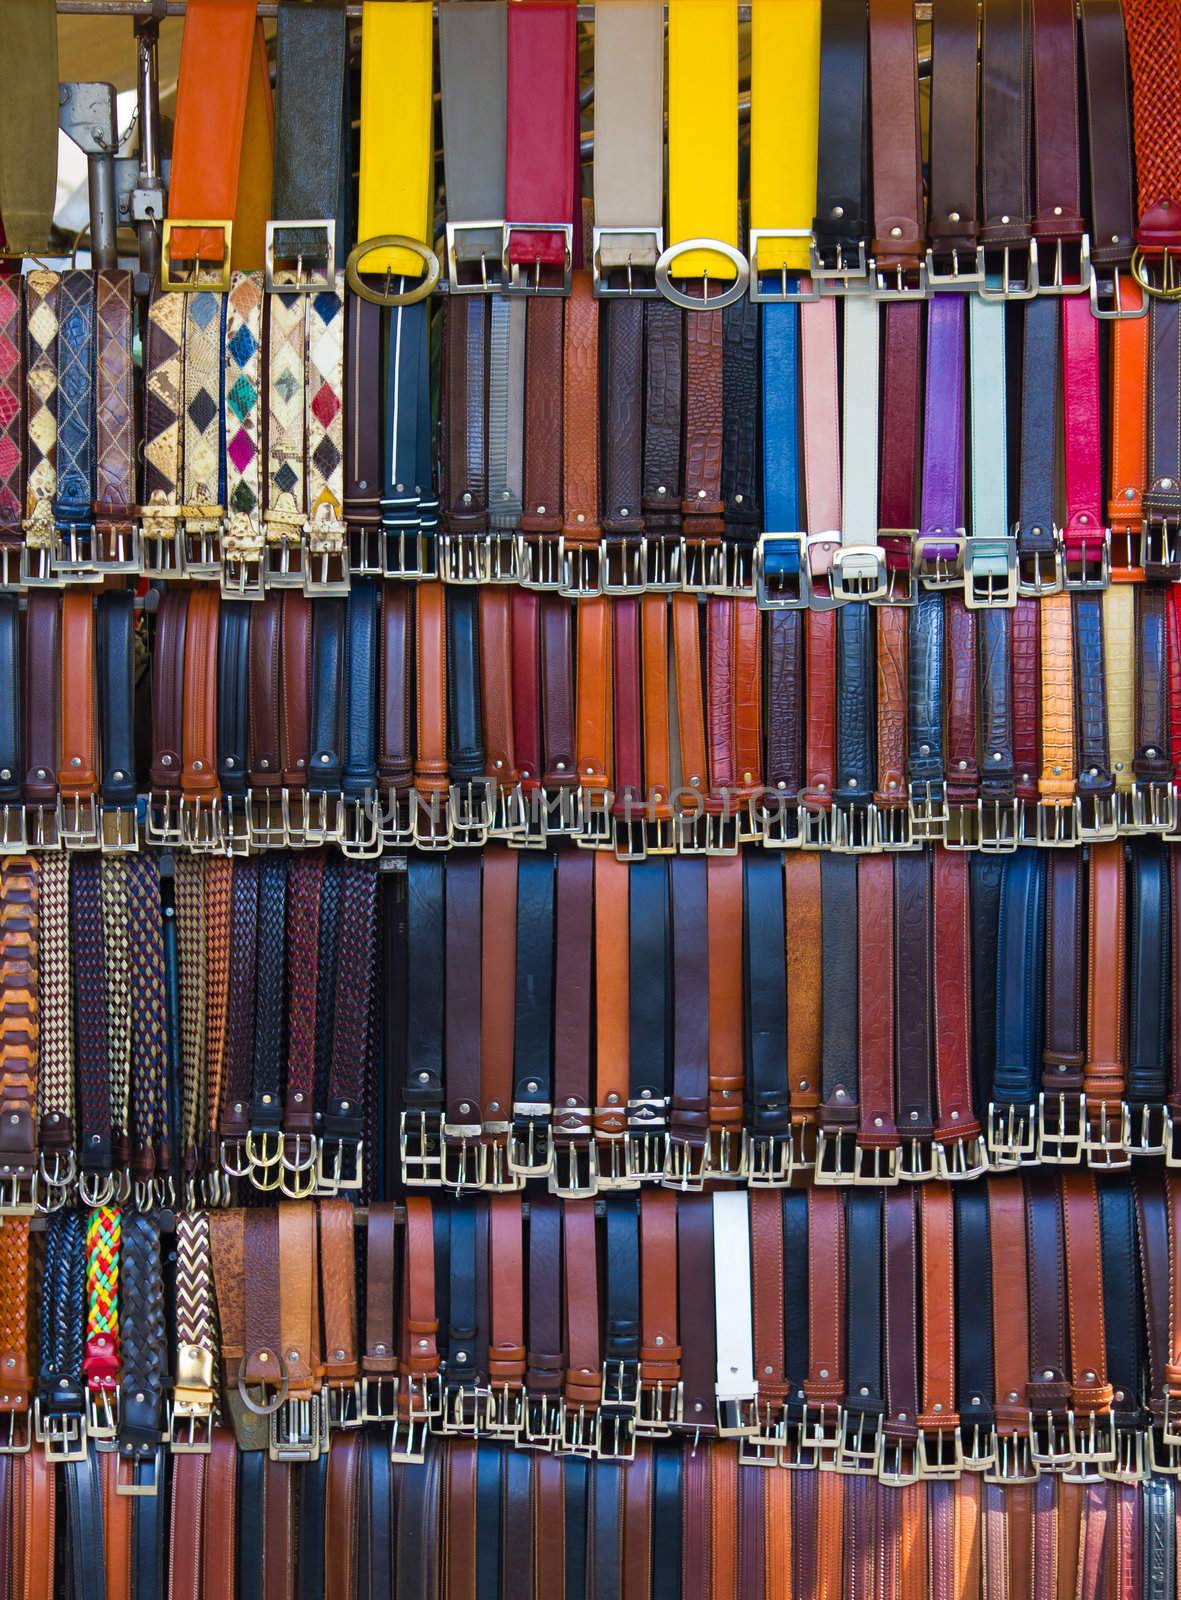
{"x": 77, "y": 822}
{"x": 1040, "y": 572}
{"x": 647, "y": 1141}
{"x": 1063, "y": 280}
{"x": 662, "y": 563}
{"x": 936, "y": 568}
{"x": 539, "y": 561}
{"x": 917, "y": 1161}
{"x": 836, "y": 1155}
{"x": 1129, "y": 1462}
{"x": 471, "y": 811}
{"x": 927, "y": 804}
{"x": 575, "y": 1172}
{"x": 465, "y": 558}
{"x": 768, "y": 1160}
{"x": 531, "y": 1142}
{"x": 1083, "y": 570}
{"x": 909, "y": 282}
{"x": 294, "y": 278}
{"x": 843, "y": 276}
{"x": 602, "y": 277}
{"x": 1011, "y": 287}
{"x": 1097, "y": 818}
{"x": 1108, "y": 1138}
{"x": 773, "y": 591}
{"x": 785, "y": 274}
{"x": 611, "y": 1159}
{"x": 582, "y": 570}
{"x": 859, "y": 573}
{"x": 486, "y": 283}
{"x": 686, "y": 1163}
{"x": 299, "y": 1429}
{"x": 465, "y": 1157}
{"x": 1058, "y": 823}
{"x": 998, "y": 825}
{"x": 1013, "y": 1460}
{"x": 955, "y": 277}
{"x": 893, "y": 825}
{"x": 899, "y": 1466}
{"x": 1061, "y": 1128}
{"x": 963, "y": 826}
{"x": 940, "y": 1453}
{"x": 1150, "y": 1133}
{"x": 1011, "y": 1136}
{"x": 420, "y": 1143}
{"x": 517, "y": 277}
{"x": 117, "y": 548}
{"x": 1154, "y": 807}
{"x": 854, "y": 827}
{"x": 75, "y": 553}
{"x": 990, "y": 573}
{"x": 876, "y": 1166}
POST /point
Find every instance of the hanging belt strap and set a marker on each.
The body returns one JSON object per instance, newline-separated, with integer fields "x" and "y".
{"x": 627, "y": 720}
{"x": 727, "y": 1066}
{"x": 1010, "y": 1327}
{"x": 1109, "y": 128}
{"x": 150, "y": 1045}
{"x": 541, "y": 194}
{"x": 42, "y": 707}
{"x": 200, "y": 790}
{"x": 841, "y": 226}
{"x": 913, "y": 1012}
{"x": 898, "y": 213}
{"x": 15, "y": 1339}
{"x": 1057, "y": 214}
{"x": 473, "y": 64}
{"x": 1091, "y": 1393}
{"x": 379, "y": 1363}
{"x": 203, "y": 421}
{"x": 463, "y": 1153}
{"x": 1084, "y": 538}
{"x": 422, "y": 1093}
{"x": 21, "y": 963}
{"x": 1049, "y": 1384}
{"x": 593, "y": 715}
{"x": 960, "y": 1151}
{"x": 621, "y": 1331}
{"x": 629, "y": 164}
{"x": 661, "y": 1398}
{"x": 688, "y": 1151}
{"x": 163, "y": 553}
{"x": 877, "y": 1131}
{"x": 1064, "y": 1058}
{"x": 975, "y": 1385}
{"x": 242, "y": 539}
{"x": 582, "y": 1385}
{"x": 12, "y": 429}
{"x": 78, "y": 762}
{"x": 59, "y": 1415}
{"x": 310, "y": 206}
{"x": 195, "y": 1386}
{"x": 143, "y": 1346}
{"x": 940, "y": 1449}
{"x": 863, "y": 1405}
{"x": 43, "y": 291}
{"x": 546, "y": 1359}
{"x": 612, "y": 1016}
{"x": 648, "y": 1083}
{"x": 838, "y": 1112}
{"x": 506, "y": 1342}
{"x": 765, "y": 1011}
{"x": 531, "y": 1146}
{"x": 925, "y": 767}
{"x": 1105, "y": 1073}
{"x": 75, "y": 490}
{"x": 737, "y": 1399}
{"x": 1019, "y": 989}
{"x": 1153, "y": 797}
{"x": 12, "y": 817}
{"x": 498, "y": 1001}
{"x": 342, "y": 1125}
{"x": 324, "y": 440}
{"x": 939, "y": 551}
{"x": 116, "y": 706}
{"x": 825, "y": 1386}
{"x": 324, "y": 773}
{"x": 1149, "y": 969}
{"x": 695, "y": 1312}
{"x": 953, "y": 226}
{"x": 420, "y": 1395}
{"x": 990, "y": 557}
{"x": 1154, "y": 46}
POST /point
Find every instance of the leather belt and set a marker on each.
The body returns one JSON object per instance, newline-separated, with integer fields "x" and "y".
{"x": 1152, "y": 47}
{"x": 1012, "y": 1117}
{"x": 42, "y": 323}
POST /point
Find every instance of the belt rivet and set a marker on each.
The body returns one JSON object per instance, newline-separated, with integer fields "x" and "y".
{"x": 465, "y": 1108}
{"x": 1088, "y": 1377}
{"x": 975, "y": 1399}
{"x": 41, "y": 772}
{"x": 379, "y": 1349}
{"x": 531, "y": 1086}
{"x": 877, "y": 1122}
{"x": 262, "y": 1356}
{"x": 924, "y": 749}
{"x": 852, "y": 782}
{"x": 1150, "y": 751}
{"x": 902, "y": 1416}
{"x": 1057, "y": 211}
{"x": 460, "y": 1357}
{"x": 424, "y": 1077}
{"x": 660, "y": 1340}
{"x": 293, "y": 1355}
{"x": 1012, "y": 1394}
{"x": 422, "y": 1344}
{"x": 863, "y": 1389}
{"x": 824, "y": 1372}
{"x": 1047, "y": 1376}
{"x": 298, "y": 1099}
{"x": 838, "y": 211}
{"x": 996, "y": 755}
{"x": 701, "y": 493}
{"x": 541, "y": 511}
{"x": 938, "y": 1406}
{"x": 229, "y": 761}
{"x": 955, "y": 1116}
{"x": 1058, "y": 771}
{"x": 963, "y": 766}
{"x": 662, "y": 489}
{"x": 803, "y": 1083}
{"x": 895, "y": 233}
{"x": 914, "y": 1116}
{"x": 1129, "y": 494}
{"x": 338, "y": 1355}
{"x": 571, "y": 1101}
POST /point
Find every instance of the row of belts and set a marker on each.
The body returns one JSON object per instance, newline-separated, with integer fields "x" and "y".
{"x": 1017, "y": 1329}
{"x": 584, "y": 1024}
{"x": 442, "y": 717}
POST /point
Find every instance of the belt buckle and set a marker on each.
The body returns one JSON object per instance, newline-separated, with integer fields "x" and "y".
{"x": 779, "y": 822}
{"x": 515, "y": 281}
{"x": 630, "y": 836}
{"x": 726, "y": 1157}
{"x": 243, "y": 553}
{"x": 77, "y": 822}
{"x": 690, "y": 829}
{"x": 660, "y": 1408}
{"x": 298, "y": 1430}
{"x": 464, "y": 1157}
{"x": 342, "y": 1403}
{"x": 537, "y": 804}
{"x": 903, "y": 282}
{"x": 917, "y": 1161}
{"x": 18, "y": 1190}
{"x": 1061, "y": 1128}
{"x": 623, "y": 564}
{"x": 722, "y": 832}
{"x": 265, "y": 821}
{"x": 541, "y": 1422}
{"x": 1097, "y": 817}
{"x": 190, "y": 1424}
{"x": 1169, "y": 1429}
{"x": 927, "y": 804}
{"x": 702, "y": 302}
{"x": 298, "y": 1165}
{"x": 854, "y": 827}
{"x": 201, "y": 825}
{"x": 408, "y": 553}
{"x": 1051, "y": 1443}
{"x": 977, "y": 1446}
{"x": 939, "y": 559}
{"x": 510, "y": 816}
{"x": 902, "y": 583}
{"x": 695, "y": 565}
{"x": 296, "y": 282}
{"x": 162, "y": 824}
{"x": 1011, "y": 288}
{"x": 582, "y": 571}
{"x": 823, "y": 1427}
{"x": 339, "y": 1164}
{"x": 575, "y": 1172}
{"x": 1107, "y": 1138}
{"x": 998, "y": 825}
{"x": 162, "y": 551}
{"x": 836, "y": 1155}
{"x": 899, "y": 1467}
{"x": 504, "y": 1410}
{"x": 1092, "y": 1438}
{"x": 397, "y": 819}
{"x": 732, "y": 570}
{"x": 218, "y": 282}
{"x": 10, "y": 568}
{"x": 74, "y": 554}
{"x": 779, "y": 591}
{"x": 859, "y": 1454}
{"x": 118, "y": 830}
{"x": 578, "y": 1429}
{"x": 1129, "y": 1462}
{"x": 501, "y": 546}
{"x": 939, "y": 1454}
{"x": 16, "y": 1433}
{"x": 893, "y": 826}
{"x": 539, "y": 561}
{"x": 647, "y": 1140}
{"x": 686, "y": 1164}
{"x": 457, "y": 283}
{"x": 379, "y": 1397}
{"x": 465, "y": 558}
{"x": 471, "y": 811}
{"x": 597, "y": 831}
{"x": 139, "y": 1454}
{"x": 620, "y": 1384}
{"x": 325, "y": 555}
{"x": 1040, "y": 572}
{"x": 842, "y": 277}
{"x": 859, "y": 573}
{"x": 1154, "y": 807}
{"x": 408, "y": 1441}
{"x": 1014, "y": 1460}
{"x": 62, "y": 1434}
{"x": 962, "y": 1158}
{"x": 117, "y": 549}
{"x": 662, "y": 563}
{"x": 601, "y": 284}
{"x": 611, "y": 1160}
{"x": 234, "y": 825}
{"x": 814, "y": 821}
{"x": 282, "y": 555}
{"x": 963, "y": 826}
{"x": 531, "y": 1142}
{"x": 796, "y": 1453}
{"x": 1065, "y": 277}
{"x": 1164, "y": 1456}
{"x": 660, "y": 837}
{"x": 990, "y": 573}
{"x": 760, "y": 296}
{"x": 1168, "y": 285}
{"x": 465, "y": 1409}
{"x": 1082, "y": 569}
{"x": 820, "y": 554}
{"x": 1150, "y": 1136}
{"x": 420, "y": 1147}
{"x": 764, "y": 1447}
{"x": 201, "y": 536}
{"x": 944, "y": 280}
{"x": 1011, "y": 1136}
{"x": 431, "y": 820}
{"x": 1058, "y": 823}
{"x": 768, "y": 1160}
{"x": 877, "y": 1166}
{"x": 36, "y": 560}
{"x": 497, "y": 1177}
{"x": 322, "y": 818}
{"x": 738, "y": 1415}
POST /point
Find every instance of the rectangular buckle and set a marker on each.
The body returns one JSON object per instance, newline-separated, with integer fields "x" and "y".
{"x": 409, "y": 554}
{"x": 854, "y": 830}
{"x": 1129, "y": 1463}
{"x": 778, "y": 590}
{"x": 1050, "y": 1440}
{"x": 939, "y": 559}
{"x": 960, "y": 1159}
{"x": 820, "y": 554}
{"x": 1011, "y": 288}
{"x": 578, "y": 1429}
{"x": 998, "y": 825}
{"x": 916, "y": 1159}
{"x": 299, "y": 1429}
{"x": 379, "y": 1397}
{"x": 408, "y": 1440}
{"x": 1057, "y": 824}
{"x": 662, "y": 558}
{"x": 783, "y": 295}
{"x": 962, "y": 831}
{"x": 927, "y": 804}
{"x": 575, "y": 1172}
{"x": 504, "y": 1410}
{"x": 727, "y": 1153}
{"x": 623, "y": 565}
{"x": 126, "y": 1482}
{"x": 10, "y": 571}
{"x": 420, "y": 1146}
{"x": 431, "y": 820}
{"x": 582, "y": 571}
{"x": 359, "y": 834}
{"x": 977, "y": 1446}
{"x": 722, "y": 829}
{"x": 954, "y": 277}
{"x": 695, "y": 566}
{"x": 768, "y": 1160}
{"x": 1067, "y": 278}
{"x": 893, "y": 826}
{"x": 824, "y": 1427}
{"x": 602, "y": 285}
{"x": 1154, "y": 807}
{"x": 62, "y": 1434}
{"x": 1040, "y": 572}
{"x": 611, "y": 1157}
{"x": 282, "y": 555}
{"x": 457, "y": 283}
{"x": 842, "y": 277}
{"x": 661, "y": 1407}
{"x": 324, "y": 558}
{"x": 616, "y": 1435}
{"x": 902, "y": 282}
{"x": 531, "y": 1142}
{"x": 1149, "y": 1137}
{"x": 836, "y": 1155}
{"x": 265, "y": 821}
{"x": 899, "y": 1467}
{"x": 737, "y": 1414}
{"x": 859, "y": 1454}
{"x": 77, "y": 822}
{"x": 36, "y": 565}
{"x": 342, "y": 1402}
{"x": 796, "y": 1453}
{"x": 339, "y": 1164}
{"x": 876, "y": 1166}
{"x": 102, "y": 1413}
{"x": 1013, "y": 1460}
{"x": 814, "y": 822}
{"x": 465, "y": 1158}
{"x": 1092, "y": 1438}
{"x": 1097, "y": 817}
{"x": 859, "y": 573}
{"x": 465, "y": 1410}
{"x": 75, "y": 555}
{"x": 218, "y": 281}
{"x": 902, "y": 583}
{"x": 1163, "y": 1456}
{"x": 471, "y": 810}
{"x": 539, "y": 561}
{"x": 732, "y": 570}
{"x": 940, "y": 1453}
{"x": 645, "y": 1159}
{"x": 779, "y": 822}
{"x": 464, "y": 558}
{"x": 686, "y": 1164}
{"x": 541, "y": 1422}
{"x": 294, "y": 279}
{"x": 162, "y": 550}
{"x": 117, "y": 549}
{"x": 597, "y": 827}
{"x": 118, "y": 830}
{"x": 1107, "y": 1139}
{"x": 515, "y": 281}
{"x": 1011, "y": 1136}
{"x": 1061, "y": 1128}
{"x": 1085, "y": 568}
{"x": 990, "y": 573}
{"x": 16, "y": 1433}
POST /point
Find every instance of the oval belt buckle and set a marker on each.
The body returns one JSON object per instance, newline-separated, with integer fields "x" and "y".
{"x": 386, "y": 297}
{"x": 688, "y": 302}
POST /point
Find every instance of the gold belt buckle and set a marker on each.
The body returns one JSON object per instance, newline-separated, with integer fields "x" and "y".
{"x": 959, "y": 1159}
{"x": 860, "y": 1451}
{"x": 1013, "y": 1459}
{"x": 940, "y": 1453}
{"x": 219, "y": 281}
{"x": 836, "y": 1155}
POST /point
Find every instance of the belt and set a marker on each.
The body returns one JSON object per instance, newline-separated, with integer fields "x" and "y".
{"x": 913, "y": 971}
{"x": 1105, "y": 1072}
{"x": 1061, "y": 1109}
{"x": 959, "y": 1147}
{"x": 769, "y": 1147}
{"x": 990, "y": 556}
{"x": 837, "y": 1114}
{"x": 1057, "y": 214}
{"x": 531, "y": 1150}
{"x": 628, "y": 167}
{"x": 16, "y": 1428}
{"x": 579, "y": 1418}
{"x": 954, "y": 256}
{"x": 695, "y": 1318}
{"x": 1019, "y": 990}
{"x": 612, "y": 1020}
{"x": 579, "y": 550}
{"x": 624, "y": 550}
{"x": 1109, "y": 112}
{"x": 940, "y": 1448}
{"x": 395, "y": 749}
{"x": 1148, "y": 993}
{"x": 863, "y": 1405}
{"x": 621, "y": 1332}
{"x": 160, "y": 514}
{"x": 473, "y": 62}
{"x": 42, "y": 323}
{"x": 506, "y": 795}
{"x": 975, "y": 1383}
{"x": 1127, "y": 1346}
{"x": 1153, "y": 798}
{"x": 626, "y": 721}
{"x": 727, "y": 1066}
{"x": 841, "y": 226}
{"x": 1052, "y": 1446}
{"x": 1091, "y": 1392}
{"x": 876, "y": 1159}
{"x": 1152, "y": 48}
{"x": 72, "y": 550}
{"x": 462, "y": 1151}
{"x": 825, "y": 1388}
{"x": 688, "y": 1148}
{"x": 498, "y": 999}
{"x": 648, "y": 1079}
{"x": 540, "y": 194}
{"x": 1011, "y": 1333}
{"x": 898, "y": 213}
{"x": 242, "y": 537}
{"x": 939, "y": 551}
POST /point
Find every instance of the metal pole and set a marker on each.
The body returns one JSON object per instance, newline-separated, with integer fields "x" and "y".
{"x": 147, "y": 202}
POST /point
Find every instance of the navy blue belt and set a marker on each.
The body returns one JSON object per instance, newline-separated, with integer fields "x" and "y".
{"x": 648, "y": 959}
{"x": 1019, "y": 1010}
{"x": 531, "y": 1146}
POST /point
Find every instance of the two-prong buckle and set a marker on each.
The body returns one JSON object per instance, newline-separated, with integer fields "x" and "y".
{"x": 379, "y": 1397}
{"x": 582, "y": 570}
{"x": 660, "y": 1409}
{"x": 465, "y": 1157}
{"x": 504, "y": 1410}
{"x": 686, "y": 1163}
{"x": 77, "y": 822}
{"x": 1013, "y": 1459}
{"x": 977, "y": 1446}
{"x": 299, "y": 1429}
{"x": 940, "y": 1453}
{"x": 1058, "y": 823}
{"x": 18, "y": 1190}
{"x": 1008, "y": 285}
{"x": 893, "y": 826}
{"x": 541, "y": 1422}
{"x": 647, "y": 1142}
{"x": 1129, "y": 1462}
{"x": 1012, "y": 1136}
{"x": 1108, "y": 1137}
{"x": 764, "y": 1447}
{"x": 824, "y": 1428}
{"x": 876, "y": 1166}
{"x": 727, "y": 1153}
{"x": 1092, "y": 1437}
{"x": 1061, "y": 1128}
{"x": 917, "y": 1161}
{"x": 1086, "y": 562}
{"x": 854, "y": 827}
{"x": 611, "y": 1158}
{"x": 61, "y": 1432}
{"x": 623, "y": 564}
{"x": 464, "y": 558}
{"x": 1154, "y": 807}
{"x": 959, "y": 1159}
{"x": 1097, "y": 819}
{"x": 768, "y": 1160}
{"x": 471, "y": 810}
{"x": 539, "y": 561}
{"x": 730, "y": 569}
{"x": 998, "y": 827}
{"x": 408, "y": 1441}
{"x": 860, "y": 1451}
{"x": 578, "y": 1429}
{"x": 420, "y": 1143}
{"x": 990, "y": 573}
{"x": 796, "y": 1451}
{"x": 836, "y": 1155}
